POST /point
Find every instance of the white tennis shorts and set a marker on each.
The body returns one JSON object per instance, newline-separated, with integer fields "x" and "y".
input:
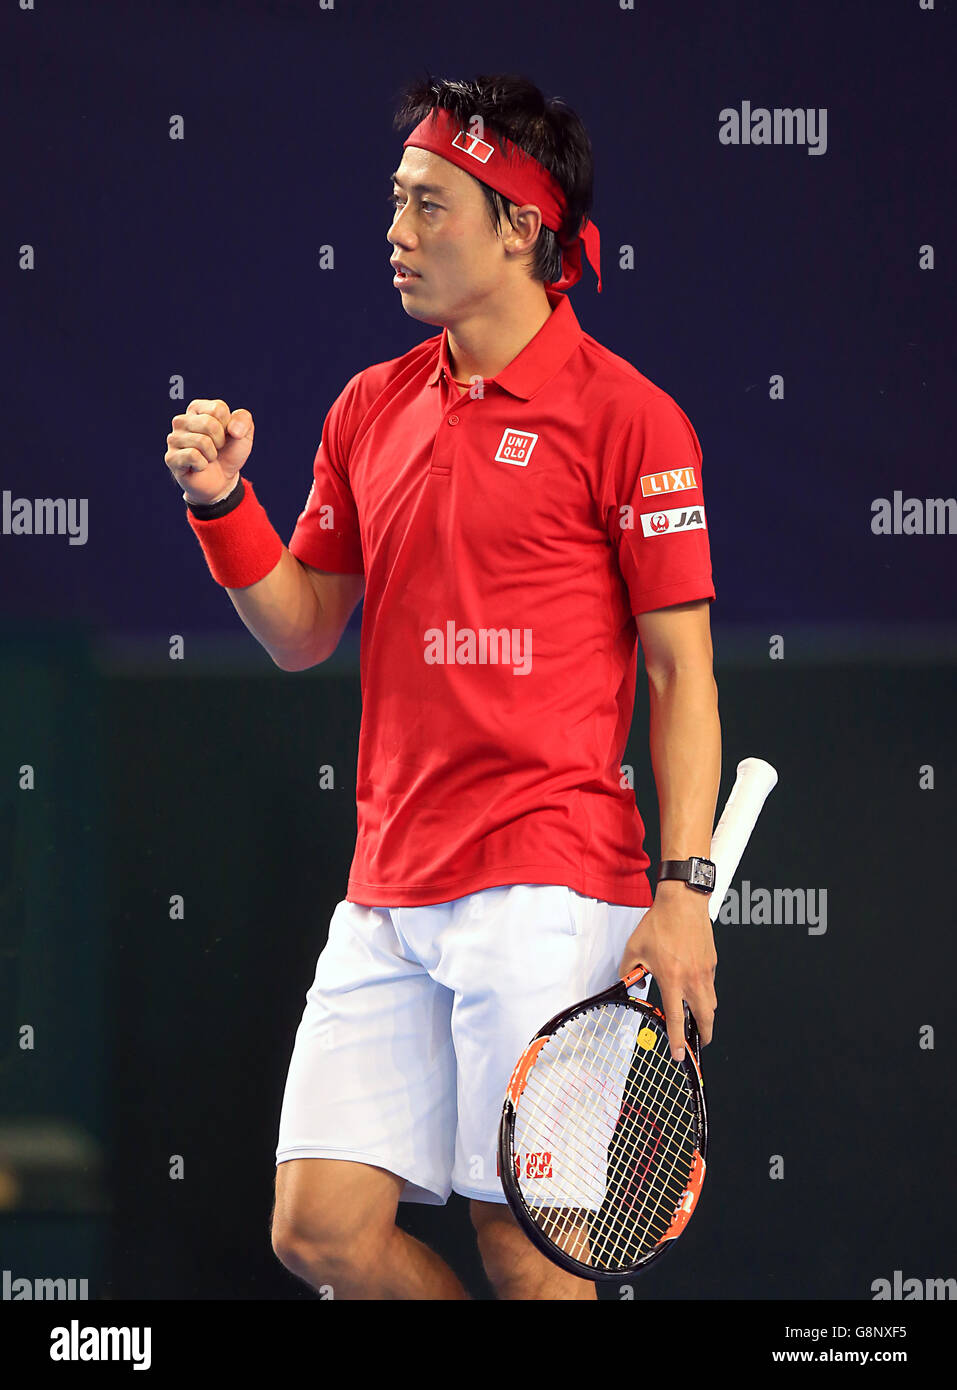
{"x": 417, "y": 1016}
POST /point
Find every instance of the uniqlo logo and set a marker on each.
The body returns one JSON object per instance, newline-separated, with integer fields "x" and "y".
{"x": 516, "y": 447}
{"x": 538, "y": 1165}
{"x": 471, "y": 144}
{"x": 675, "y": 480}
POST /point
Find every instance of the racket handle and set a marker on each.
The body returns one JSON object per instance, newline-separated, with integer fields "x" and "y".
{"x": 754, "y": 781}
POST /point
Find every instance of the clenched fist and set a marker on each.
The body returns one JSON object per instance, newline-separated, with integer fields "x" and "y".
{"x": 207, "y": 448}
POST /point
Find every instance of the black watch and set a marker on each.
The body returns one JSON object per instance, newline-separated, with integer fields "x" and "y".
{"x": 697, "y": 873}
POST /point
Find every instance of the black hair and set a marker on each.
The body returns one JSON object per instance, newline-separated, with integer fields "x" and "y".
{"x": 548, "y": 130}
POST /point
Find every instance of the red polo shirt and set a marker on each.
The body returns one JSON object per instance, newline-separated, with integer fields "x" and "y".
{"x": 507, "y": 539}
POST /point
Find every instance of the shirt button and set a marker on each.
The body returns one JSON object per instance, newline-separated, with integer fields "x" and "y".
{"x": 453, "y": 419}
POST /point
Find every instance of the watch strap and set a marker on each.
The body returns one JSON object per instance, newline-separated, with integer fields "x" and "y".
{"x": 689, "y": 871}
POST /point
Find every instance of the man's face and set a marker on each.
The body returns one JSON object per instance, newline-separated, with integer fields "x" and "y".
{"x": 443, "y": 232}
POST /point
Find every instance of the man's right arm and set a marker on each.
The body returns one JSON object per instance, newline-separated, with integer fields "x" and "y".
{"x": 298, "y": 613}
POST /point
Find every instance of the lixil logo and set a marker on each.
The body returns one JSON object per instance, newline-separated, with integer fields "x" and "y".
{"x": 675, "y": 480}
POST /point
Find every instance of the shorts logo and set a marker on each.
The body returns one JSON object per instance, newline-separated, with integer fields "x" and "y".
{"x": 516, "y": 447}
{"x": 677, "y": 519}
{"x": 538, "y": 1165}
{"x": 471, "y": 144}
{"x": 675, "y": 480}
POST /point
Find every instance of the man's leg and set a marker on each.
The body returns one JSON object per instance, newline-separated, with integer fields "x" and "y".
{"x": 516, "y": 1269}
{"x": 334, "y": 1227}
{"x": 370, "y": 1094}
{"x": 514, "y": 956}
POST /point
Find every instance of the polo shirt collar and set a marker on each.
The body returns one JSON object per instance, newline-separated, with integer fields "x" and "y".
{"x": 538, "y": 360}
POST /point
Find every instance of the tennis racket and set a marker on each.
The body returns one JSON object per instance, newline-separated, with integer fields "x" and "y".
{"x": 603, "y": 1138}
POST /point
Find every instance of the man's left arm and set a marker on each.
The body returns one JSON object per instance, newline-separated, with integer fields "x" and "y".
{"x": 675, "y": 939}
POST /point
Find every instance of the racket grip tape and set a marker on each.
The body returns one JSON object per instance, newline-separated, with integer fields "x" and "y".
{"x": 755, "y": 779}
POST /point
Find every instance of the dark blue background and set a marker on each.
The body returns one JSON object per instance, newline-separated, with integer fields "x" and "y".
{"x": 200, "y": 257}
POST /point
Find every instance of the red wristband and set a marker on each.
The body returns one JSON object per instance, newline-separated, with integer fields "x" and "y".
{"x": 241, "y": 547}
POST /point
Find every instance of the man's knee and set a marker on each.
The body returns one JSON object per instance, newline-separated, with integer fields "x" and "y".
{"x": 329, "y": 1255}
{"x": 332, "y": 1221}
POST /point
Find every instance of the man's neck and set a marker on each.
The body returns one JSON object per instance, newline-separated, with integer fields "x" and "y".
{"x": 485, "y": 343}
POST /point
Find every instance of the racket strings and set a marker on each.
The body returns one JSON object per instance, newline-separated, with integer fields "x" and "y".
{"x": 626, "y": 1232}
{"x": 616, "y": 1121}
{"x": 666, "y": 1091}
{"x": 613, "y": 1232}
{"x": 571, "y": 1083}
{"x": 677, "y": 1150}
{"x": 634, "y": 1129}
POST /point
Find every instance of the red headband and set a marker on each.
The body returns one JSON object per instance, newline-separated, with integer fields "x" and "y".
{"x": 518, "y": 177}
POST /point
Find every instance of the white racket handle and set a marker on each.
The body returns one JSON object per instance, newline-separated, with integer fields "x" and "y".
{"x": 754, "y": 781}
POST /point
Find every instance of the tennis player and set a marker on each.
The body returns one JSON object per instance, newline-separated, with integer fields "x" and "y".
{"x": 517, "y": 505}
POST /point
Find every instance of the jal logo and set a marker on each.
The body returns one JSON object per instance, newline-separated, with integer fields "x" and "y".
{"x": 471, "y": 144}
{"x": 516, "y": 447}
{"x": 676, "y": 519}
{"x": 675, "y": 480}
